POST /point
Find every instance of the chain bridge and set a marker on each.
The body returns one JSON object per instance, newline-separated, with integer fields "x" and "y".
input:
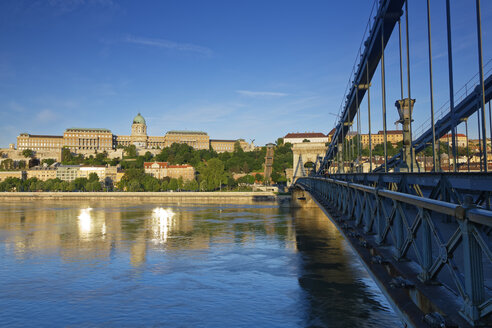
{"x": 420, "y": 222}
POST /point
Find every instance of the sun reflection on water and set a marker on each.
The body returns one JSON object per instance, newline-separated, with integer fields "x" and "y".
{"x": 89, "y": 224}
{"x": 162, "y": 223}
{"x": 85, "y": 220}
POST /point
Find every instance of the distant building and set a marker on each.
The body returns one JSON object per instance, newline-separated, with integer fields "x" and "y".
{"x": 42, "y": 173}
{"x": 221, "y": 146}
{"x": 161, "y": 170}
{"x": 12, "y": 174}
{"x": 68, "y": 172}
{"x": 195, "y": 139}
{"x": 39, "y": 142}
{"x": 91, "y": 140}
{"x": 139, "y": 136}
{"x": 86, "y": 170}
{"x": 88, "y": 139}
{"x": 393, "y": 136}
{"x": 294, "y": 138}
{"x": 460, "y": 139}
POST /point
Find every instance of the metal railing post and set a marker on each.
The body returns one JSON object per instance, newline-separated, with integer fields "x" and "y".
{"x": 473, "y": 269}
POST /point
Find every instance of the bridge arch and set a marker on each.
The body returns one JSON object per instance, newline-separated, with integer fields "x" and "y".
{"x": 304, "y": 153}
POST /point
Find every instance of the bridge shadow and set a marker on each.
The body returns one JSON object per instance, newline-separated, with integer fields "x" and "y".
{"x": 339, "y": 292}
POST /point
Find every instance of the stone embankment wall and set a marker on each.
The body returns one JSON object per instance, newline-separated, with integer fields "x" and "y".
{"x": 201, "y": 197}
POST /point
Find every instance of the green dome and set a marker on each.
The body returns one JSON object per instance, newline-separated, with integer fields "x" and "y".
{"x": 139, "y": 119}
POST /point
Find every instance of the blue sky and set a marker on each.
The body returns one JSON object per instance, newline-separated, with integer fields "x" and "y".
{"x": 235, "y": 69}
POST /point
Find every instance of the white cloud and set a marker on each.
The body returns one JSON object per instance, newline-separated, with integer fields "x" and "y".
{"x": 167, "y": 44}
{"x": 46, "y": 115}
{"x": 249, "y": 93}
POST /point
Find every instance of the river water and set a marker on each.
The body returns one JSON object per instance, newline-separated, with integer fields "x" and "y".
{"x": 120, "y": 264}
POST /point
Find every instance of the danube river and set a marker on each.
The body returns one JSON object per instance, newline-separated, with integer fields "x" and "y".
{"x": 122, "y": 264}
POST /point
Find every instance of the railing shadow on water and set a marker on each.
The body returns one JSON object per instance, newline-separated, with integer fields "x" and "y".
{"x": 430, "y": 242}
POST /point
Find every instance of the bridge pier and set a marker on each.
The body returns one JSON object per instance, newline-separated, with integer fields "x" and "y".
{"x": 301, "y": 198}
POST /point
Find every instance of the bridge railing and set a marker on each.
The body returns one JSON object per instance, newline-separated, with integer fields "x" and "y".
{"x": 450, "y": 243}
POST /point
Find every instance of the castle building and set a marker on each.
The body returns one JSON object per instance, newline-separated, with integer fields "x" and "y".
{"x": 195, "y": 139}
{"x": 91, "y": 140}
{"x": 221, "y": 146}
{"x": 139, "y": 136}
{"x": 88, "y": 139}
{"x": 39, "y": 142}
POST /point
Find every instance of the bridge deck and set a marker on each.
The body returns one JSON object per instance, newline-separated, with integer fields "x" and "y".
{"x": 428, "y": 256}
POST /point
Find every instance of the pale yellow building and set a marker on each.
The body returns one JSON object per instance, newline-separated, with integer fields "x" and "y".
{"x": 42, "y": 173}
{"x": 12, "y": 174}
{"x": 91, "y": 140}
{"x": 139, "y": 136}
{"x": 88, "y": 139}
{"x": 461, "y": 139}
{"x": 39, "y": 142}
{"x": 103, "y": 172}
{"x": 221, "y": 146}
{"x": 393, "y": 136}
{"x": 195, "y": 139}
{"x": 161, "y": 170}
{"x": 67, "y": 172}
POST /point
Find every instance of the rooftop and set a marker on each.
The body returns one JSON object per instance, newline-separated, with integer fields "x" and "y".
{"x": 219, "y": 140}
{"x": 87, "y": 130}
{"x": 186, "y": 132}
{"x": 305, "y": 135}
{"x": 457, "y": 134}
{"x": 41, "y": 136}
{"x": 391, "y": 132}
{"x": 165, "y": 165}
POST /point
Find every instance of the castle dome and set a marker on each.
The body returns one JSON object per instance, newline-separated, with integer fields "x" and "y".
{"x": 139, "y": 119}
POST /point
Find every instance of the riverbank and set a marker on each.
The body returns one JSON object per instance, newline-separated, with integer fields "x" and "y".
{"x": 145, "y": 196}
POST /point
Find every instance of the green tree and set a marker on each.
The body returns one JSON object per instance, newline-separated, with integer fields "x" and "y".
{"x": 7, "y": 164}
{"x": 79, "y": 184}
{"x": 212, "y": 173}
{"x": 21, "y": 164}
{"x": 173, "y": 184}
{"x": 237, "y": 147}
{"x": 48, "y": 161}
{"x": 27, "y": 153}
{"x": 130, "y": 151}
{"x": 134, "y": 186}
{"x": 67, "y": 156}
{"x": 93, "y": 177}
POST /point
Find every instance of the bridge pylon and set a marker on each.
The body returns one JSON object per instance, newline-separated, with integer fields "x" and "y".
{"x": 405, "y": 109}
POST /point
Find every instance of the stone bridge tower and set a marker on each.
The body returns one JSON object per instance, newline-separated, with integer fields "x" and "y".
{"x": 306, "y": 152}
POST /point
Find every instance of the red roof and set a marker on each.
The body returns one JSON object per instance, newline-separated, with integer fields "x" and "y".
{"x": 305, "y": 135}
{"x": 332, "y": 132}
{"x": 450, "y": 135}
